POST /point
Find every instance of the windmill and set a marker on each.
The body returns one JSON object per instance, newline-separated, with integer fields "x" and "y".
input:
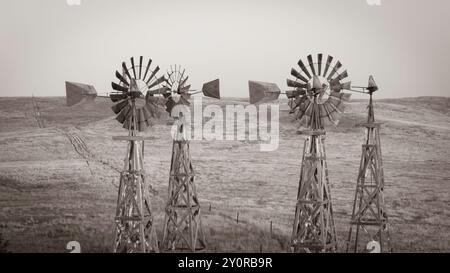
{"x": 135, "y": 229}
{"x": 316, "y": 100}
{"x": 182, "y": 225}
{"x": 369, "y": 216}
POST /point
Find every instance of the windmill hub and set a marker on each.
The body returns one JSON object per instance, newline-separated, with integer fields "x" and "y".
{"x": 319, "y": 89}
{"x": 138, "y": 86}
{"x": 176, "y": 96}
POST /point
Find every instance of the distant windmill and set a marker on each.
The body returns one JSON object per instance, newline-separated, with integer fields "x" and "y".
{"x": 369, "y": 217}
{"x": 183, "y": 229}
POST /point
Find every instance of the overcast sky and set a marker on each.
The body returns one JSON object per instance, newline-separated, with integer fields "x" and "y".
{"x": 403, "y": 43}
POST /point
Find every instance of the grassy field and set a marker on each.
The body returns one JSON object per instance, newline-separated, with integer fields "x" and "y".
{"x": 51, "y": 194}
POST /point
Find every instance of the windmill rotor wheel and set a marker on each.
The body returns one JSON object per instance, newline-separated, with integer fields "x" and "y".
{"x": 137, "y": 82}
{"x": 318, "y": 82}
{"x": 177, "y": 89}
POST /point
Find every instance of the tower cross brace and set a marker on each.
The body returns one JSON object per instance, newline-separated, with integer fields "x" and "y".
{"x": 369, "y": 230}
{"x": 182, "y": 225}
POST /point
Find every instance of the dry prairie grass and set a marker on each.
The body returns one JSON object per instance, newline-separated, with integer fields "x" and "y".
{"x": 49, "y": 195}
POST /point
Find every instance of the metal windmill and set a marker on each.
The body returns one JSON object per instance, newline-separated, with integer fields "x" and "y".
{"x": 317, "y": 99}
{"x": 182, "y": 225}
{"x": 135, "y": 229}
{"x": 369, "y": 217}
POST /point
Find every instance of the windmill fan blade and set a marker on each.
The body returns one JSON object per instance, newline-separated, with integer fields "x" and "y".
{"x": 309, "y": 109}
{"x": 340, "y": 77}
{"x": 122, "y": 79}
{"x": 334, "y": 70}
{"x": 125, "y": 69}
{"x": 132, "y": 67}
{"x": 146, "y": 70}
{"x": 293, "y": 105}
{"x": 184, "y": 98}
{"x": 149, "y": 109}
{"x": 140, "y": 66}
{"x": 292, "y": 83}
{"x": 298, "y": 102}
{"x": 333, "y": 115}
{"x": 212, "y": 89}
{"x": 161, "y": 90}
{"x": 182, "y": 75}
{"x": 304, "y": 110}
{"x": 336, "y": 103}
{"x": 117, "y": 97}
{"x": 128, "y": 123}
{"x": 311, "y": 64}
{"x": 340, "y": 96}
{"x": 339, "y": 87}
{"x": 123, "y": 114}
{"x": 323, "y": 115}
{"x": 153, "y": 74}
{"x": 327, "y": 65}
{"x": 117, "y": 108}
{"x": 303, "y": 67}
{"x": 183, "y": 82}
{"x": 118, "y": 87}
{"x": 170, "y": 103}
{"x": 319, "y": 58}
{"x": 185, "y": 89}
{"x": 158, "y": 81}
{"x": 372, "y": 87}
{"x": 297, "y": 74}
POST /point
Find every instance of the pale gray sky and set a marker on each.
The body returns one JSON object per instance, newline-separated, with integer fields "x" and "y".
{"x": 403, "y": 43}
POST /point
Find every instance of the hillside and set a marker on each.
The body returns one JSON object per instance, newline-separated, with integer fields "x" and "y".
{"x": 51, "y": 193}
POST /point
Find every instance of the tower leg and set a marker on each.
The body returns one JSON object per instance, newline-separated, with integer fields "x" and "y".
{"x": 369, "y": 213}
{"x": 135, "y": 231}
{"x": 182, "y": 226}
{"x": 314, "y": 229}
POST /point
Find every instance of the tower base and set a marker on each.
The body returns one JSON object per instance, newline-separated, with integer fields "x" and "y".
{"x": 369, "y": 230}
{"x": 135, "y": 231}
{"x": 314, "y": 229}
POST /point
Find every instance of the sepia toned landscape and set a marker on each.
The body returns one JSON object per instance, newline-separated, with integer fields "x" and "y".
{"x": 59, "y": 183}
